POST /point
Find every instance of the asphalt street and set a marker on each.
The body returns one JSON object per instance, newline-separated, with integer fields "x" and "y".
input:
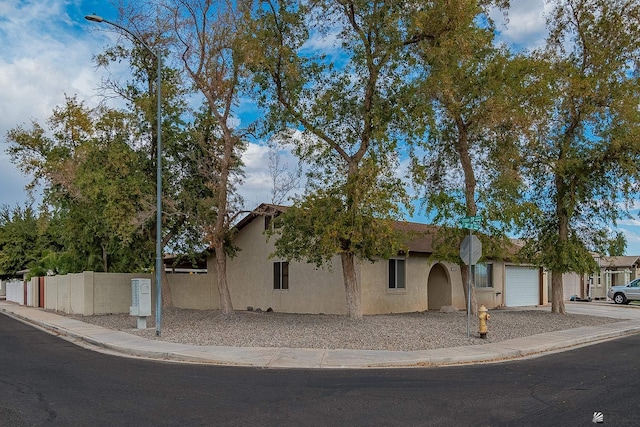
{"x": 47, "y": 380}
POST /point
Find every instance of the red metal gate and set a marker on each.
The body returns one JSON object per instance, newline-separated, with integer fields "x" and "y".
{"x": 41, "y": 292}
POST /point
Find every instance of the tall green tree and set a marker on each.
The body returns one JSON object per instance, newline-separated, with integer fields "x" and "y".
{"x": 93, "y": 181}
{"x": 464, "y": 166}
{"x": 194, "y": 153}
{"x": 582, "y": 166}
{"x": 348, "y": 113}
{"x": 343, "y": 111}
{"x": 19, "y": 239}
{"x": 179, "y": 232}
{"x": 209, "y": 37}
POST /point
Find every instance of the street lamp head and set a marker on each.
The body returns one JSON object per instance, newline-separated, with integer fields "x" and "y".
{"x": 100, "y": 19}
{"x": 94, "y": 18}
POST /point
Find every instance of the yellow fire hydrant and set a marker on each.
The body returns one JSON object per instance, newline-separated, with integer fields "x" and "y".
{"x": 483, "y": 317}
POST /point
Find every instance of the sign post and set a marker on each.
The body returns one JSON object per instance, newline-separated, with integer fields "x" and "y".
{"x": 470, "y": 252}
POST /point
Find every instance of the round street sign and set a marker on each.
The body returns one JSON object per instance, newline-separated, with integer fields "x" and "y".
{"x": 471, "y": 250}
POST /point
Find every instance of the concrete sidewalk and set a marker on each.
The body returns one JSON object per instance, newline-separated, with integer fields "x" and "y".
{"x": 268, "y": 357}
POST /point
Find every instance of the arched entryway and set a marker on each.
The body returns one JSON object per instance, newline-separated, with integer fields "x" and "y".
{"x": 438, "y": 288}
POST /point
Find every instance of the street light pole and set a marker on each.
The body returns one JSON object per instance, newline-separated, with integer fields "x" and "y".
{"x": 156, "y": 54}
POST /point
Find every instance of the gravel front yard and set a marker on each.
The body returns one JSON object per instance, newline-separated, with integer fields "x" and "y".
{"x": 411, "y": 331}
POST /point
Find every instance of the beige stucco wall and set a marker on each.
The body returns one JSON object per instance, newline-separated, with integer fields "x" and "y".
{"x": 438, "y": 286}
{"x": 81, "y": 296}
{"x": 71, "y": 293}
{"x": 250, "y": 279}
{"x": 51, "y": 293}
{"x": 377, "y": 298}
{"x": 489, "y": 297}
{"x": 311, "y": 290}
{"x": 493, "y": 297}
{"x": 546, "y": 287}
{"x": 572, "y": 284}
{"x": 112, "y": 291}
{"x": 196, "y": 291}
{"x": 89, "y": 293}
{"x": 63, "y": 302}
{"x": 457, "y": 291}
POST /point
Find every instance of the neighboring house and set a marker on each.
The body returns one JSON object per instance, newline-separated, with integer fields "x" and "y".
{"x": 174, "y": 264}
{"x": 620, "y": 270}
{"x": 614, "y": 270}
{"x": 406, "y": 283}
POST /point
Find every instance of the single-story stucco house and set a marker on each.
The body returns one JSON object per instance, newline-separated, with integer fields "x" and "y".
{"x": 406, "y": 283}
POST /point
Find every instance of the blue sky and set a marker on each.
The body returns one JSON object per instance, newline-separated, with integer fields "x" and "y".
{"x": 46, "y": 50}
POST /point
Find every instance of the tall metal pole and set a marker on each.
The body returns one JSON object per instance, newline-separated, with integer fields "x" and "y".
{"x": 158, "y": 265}
{"x": 469, "y": 286}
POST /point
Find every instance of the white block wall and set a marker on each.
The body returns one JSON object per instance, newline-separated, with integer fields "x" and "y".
{"x": 15, "y": 292}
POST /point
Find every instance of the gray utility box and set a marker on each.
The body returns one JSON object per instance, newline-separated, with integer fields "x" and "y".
{"x": 141, "y": 301}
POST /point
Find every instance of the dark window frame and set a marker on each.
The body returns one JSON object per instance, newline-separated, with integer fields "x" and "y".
{"x": 397, "y": 278}
{"x": 281, "y": 275}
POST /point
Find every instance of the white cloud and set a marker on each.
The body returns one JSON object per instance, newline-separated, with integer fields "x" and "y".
{"x": 44, "y": 55}
{"x": 635, "y": 206}
{"x": 632, "y": 235}
{"x": 632, "y": 238}
{"x": 525, "y": 26}
{"x": 631, "y": 222}
{"x": 325, "y": 43}
{"x": 258, "y": 182}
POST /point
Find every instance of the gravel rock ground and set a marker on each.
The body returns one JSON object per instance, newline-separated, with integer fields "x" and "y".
{"x": 409, "y": 331}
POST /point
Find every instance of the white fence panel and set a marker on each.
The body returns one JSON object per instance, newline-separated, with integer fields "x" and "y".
{"x": 15, "y": 292}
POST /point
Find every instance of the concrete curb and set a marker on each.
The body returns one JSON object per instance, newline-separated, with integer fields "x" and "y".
{"x": 299, "y": 358}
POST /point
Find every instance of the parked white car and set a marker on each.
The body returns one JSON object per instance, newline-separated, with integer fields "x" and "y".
{"x": 626, "y": 293}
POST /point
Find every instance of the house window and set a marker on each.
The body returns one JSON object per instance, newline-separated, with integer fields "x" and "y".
{"x": 396, "y": 274}
{"x": 270, "y": 223}
{"x": 483, "y": 275}
{"x": 281, "y": 275}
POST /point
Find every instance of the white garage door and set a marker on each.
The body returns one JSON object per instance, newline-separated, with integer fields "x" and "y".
{"x": 522, "y": 286}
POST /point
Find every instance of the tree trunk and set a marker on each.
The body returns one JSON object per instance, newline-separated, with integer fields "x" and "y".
{"x": 226, "y": 307}
{"x": 562, "y": 214}
{"x": 351, "y": 286}
{"x": 467, "y": 168}
{"x": 167, "y": 301}
{"x": 105, "y": 259}
{"x": 462, "y": 146}
{"x": 464, "y": 272}
{"x": 557, "y": 293}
